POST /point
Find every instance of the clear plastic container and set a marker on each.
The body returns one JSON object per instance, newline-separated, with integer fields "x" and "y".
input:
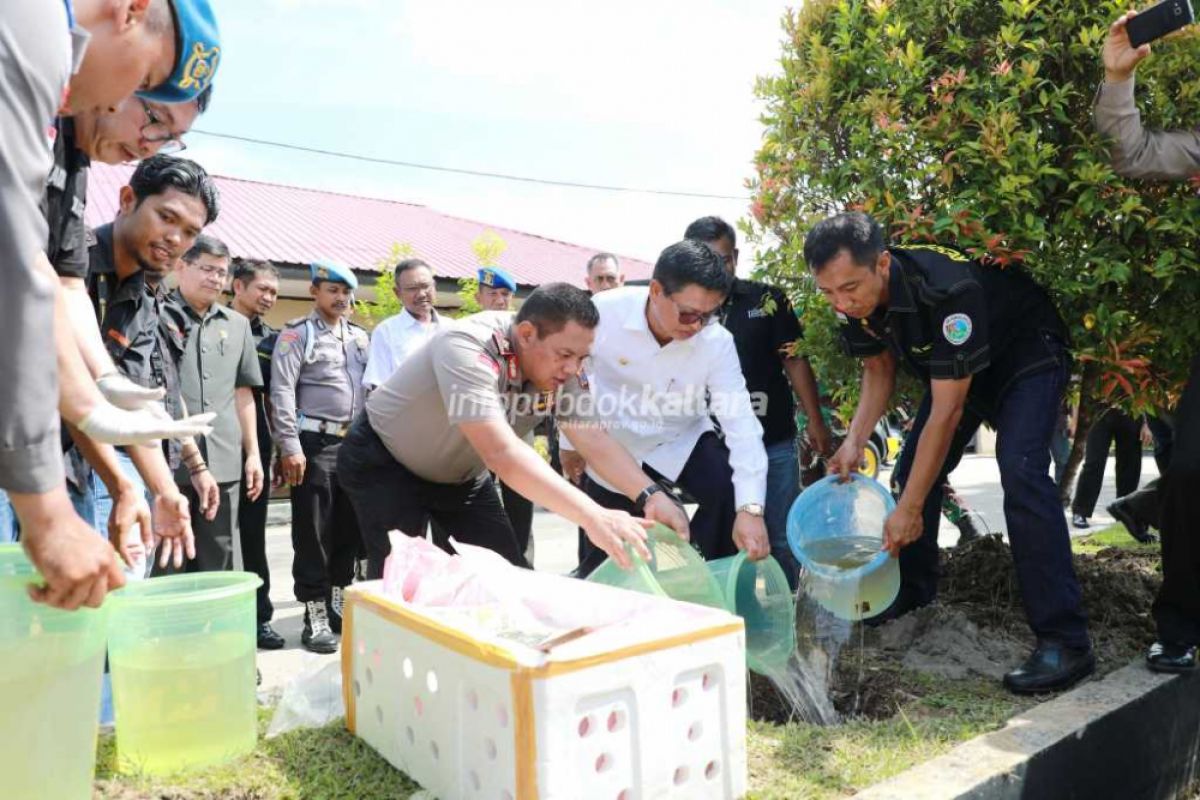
{"x": 835, "y": 530}
{"x": 49, "y": 689}
{"x": 675, "y": 569}
{"x": 181, "y": 654}
{"x": 758, "y": 592}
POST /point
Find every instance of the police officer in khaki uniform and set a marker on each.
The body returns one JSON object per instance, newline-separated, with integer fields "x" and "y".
{"x": 316, "y": 390}
{"x": 459, "y": 407}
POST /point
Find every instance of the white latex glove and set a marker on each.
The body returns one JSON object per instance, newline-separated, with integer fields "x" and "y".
{"x": 111, "y": 425}
{"x": 124, "y": 393}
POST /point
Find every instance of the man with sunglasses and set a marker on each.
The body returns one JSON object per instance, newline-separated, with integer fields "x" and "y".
{"x": 765, "y": 327}
{"x": 661, "y": 369}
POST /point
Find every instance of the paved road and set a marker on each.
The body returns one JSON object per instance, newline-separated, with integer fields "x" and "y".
{"x": 977, "y": 480}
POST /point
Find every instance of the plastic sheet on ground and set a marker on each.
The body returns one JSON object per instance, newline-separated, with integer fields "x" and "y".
{"x": 312, "y": 699}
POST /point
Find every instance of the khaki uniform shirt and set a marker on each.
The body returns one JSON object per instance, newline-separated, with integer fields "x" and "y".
{"x": 218, "y": 359}
{"x": 466, "y": 373}
{"x": 321, "y": 379}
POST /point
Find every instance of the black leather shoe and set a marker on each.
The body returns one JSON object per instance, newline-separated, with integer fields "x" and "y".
{"x": 1080, "y": 521}
{"x": 1050, "y": 668}
{"x": 269, "y": 638}
{"x": 1123, "y": 513}
{"x": 1171, "y": 657}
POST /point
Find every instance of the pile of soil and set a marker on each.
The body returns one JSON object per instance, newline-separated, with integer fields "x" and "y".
{"x": 975, "y": 632}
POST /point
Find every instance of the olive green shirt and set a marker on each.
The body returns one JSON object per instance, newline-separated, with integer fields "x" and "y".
{"x": 219, "y": 358}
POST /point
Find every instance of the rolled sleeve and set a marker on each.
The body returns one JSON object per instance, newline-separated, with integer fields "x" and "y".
{"x": 730, "y": 404}
{"x": 960, "y": 343}
{"x": 467, "y": 377}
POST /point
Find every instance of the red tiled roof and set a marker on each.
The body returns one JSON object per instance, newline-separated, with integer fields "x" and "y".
{"x": 288, "y": 224}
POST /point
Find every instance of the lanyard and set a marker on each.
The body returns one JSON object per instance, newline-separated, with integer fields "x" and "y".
{"x": 70, "y": 14}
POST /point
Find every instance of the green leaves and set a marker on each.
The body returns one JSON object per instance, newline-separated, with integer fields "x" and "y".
{"x": 969, "y": 121}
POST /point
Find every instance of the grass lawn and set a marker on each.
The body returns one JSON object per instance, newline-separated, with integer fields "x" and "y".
{"x": 785, "y": 761}
{"x": 791, "y": 761}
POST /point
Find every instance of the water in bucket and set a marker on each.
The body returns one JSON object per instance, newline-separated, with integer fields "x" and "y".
{"x": 182, "y": 659}
{"x": 835, "y": 531}
{"x": 49, "y": 689}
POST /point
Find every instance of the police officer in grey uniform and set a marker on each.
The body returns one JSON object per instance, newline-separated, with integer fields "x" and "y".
{"x": 458, "y": 408}
{"x": 316, "y": 390}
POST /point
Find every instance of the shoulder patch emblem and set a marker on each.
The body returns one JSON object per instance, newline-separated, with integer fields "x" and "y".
{"x": 957, "y": 328}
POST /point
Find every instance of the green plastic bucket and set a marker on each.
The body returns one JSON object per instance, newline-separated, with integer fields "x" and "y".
{"x": 181, "y": 653}
{"x": 675, "y": 570}
{"x": 49, "y": 688}
{"x": 758, "y": 592}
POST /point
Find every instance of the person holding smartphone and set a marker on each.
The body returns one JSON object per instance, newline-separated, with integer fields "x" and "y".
{"x": 1167, "y": 155}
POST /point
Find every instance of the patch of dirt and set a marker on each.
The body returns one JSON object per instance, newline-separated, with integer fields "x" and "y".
{"x": 976, "y": 630}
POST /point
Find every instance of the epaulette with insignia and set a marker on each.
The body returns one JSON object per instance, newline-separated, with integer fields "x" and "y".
{"x": 292, "y": 323}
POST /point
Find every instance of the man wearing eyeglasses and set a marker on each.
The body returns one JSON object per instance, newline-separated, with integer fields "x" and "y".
{"x": 217, "y": 374}
{"x": 399, "y": 336}
{"x": 660, "y": 369}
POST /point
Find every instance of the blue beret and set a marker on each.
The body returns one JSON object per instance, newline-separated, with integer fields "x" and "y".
{"x": 198, "y": 50}
{"x": 497, "y": 278}
{"x": 329, "y": 271}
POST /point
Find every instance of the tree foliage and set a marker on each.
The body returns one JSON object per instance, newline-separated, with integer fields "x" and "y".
{"x": 386, "y": 303}
{"x": 969, "y": 122}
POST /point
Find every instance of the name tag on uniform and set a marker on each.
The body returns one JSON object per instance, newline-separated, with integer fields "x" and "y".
{"x": 756, "y": 313}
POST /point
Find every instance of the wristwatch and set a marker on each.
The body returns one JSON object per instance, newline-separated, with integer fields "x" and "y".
{"x": 640, "y": 503}
{"x": 753, "y": 509}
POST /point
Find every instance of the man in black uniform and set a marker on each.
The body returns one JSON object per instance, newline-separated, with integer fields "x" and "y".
{"x": 764, "y": 328}
{"x": 162, "y": 211}
{"x": 255, "y": 290}
{"x": 989, "y": 345}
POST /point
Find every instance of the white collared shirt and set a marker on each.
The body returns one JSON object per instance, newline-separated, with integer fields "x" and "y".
{"x": 393, "y": 341}
{"x": 651, "y": 398}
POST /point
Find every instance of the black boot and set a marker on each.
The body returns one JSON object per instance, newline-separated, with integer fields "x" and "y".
{"x": 967, "y": 532}
{"x": 317, "y": 636}
{"x": 1050, "y": 668}
{"x": 1171, "y": 657}
{"x": 269, "y": 638}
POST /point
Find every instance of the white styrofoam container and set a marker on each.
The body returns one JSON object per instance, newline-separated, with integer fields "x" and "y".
{"x": 663, "y": 715}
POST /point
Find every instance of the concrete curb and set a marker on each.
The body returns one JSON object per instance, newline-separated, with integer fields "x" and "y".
{"x": 1135, "y": 734}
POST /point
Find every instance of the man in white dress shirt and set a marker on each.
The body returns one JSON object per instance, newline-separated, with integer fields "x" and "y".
{"x": 660, "y": 366}
{"x": 398, "y": 337}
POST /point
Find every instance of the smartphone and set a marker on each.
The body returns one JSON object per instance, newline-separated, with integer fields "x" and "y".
{"x": 1158, "y": 20}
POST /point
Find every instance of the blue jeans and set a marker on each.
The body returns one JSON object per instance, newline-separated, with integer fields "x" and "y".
{"x": 9, "y": 528}
{"x": 1037, "y": 529}
{"x": 783, "y": 487}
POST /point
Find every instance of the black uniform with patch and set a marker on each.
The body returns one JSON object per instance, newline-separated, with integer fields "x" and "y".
{"x": 63, "y": 204}
{"x": 936, "y": 294}
{"x": 764, "y": 324}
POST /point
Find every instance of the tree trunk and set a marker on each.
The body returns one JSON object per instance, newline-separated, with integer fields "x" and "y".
{"x": 1088, "y": 405}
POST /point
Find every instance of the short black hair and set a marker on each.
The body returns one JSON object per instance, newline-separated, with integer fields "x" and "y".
{"x": 407, "y": 264}
{"x": 204, "y": 98}
{"x": 160, "y": 172}
{"x": 854, "y": 231}
{"x": 711, "y": 229}
{"x": 206, "y": 244}
{"x": 596, "y": 259}
{"x": 246, "y": 271}
{"x": 552, "y": 305}
{"x": 692, "y": 262}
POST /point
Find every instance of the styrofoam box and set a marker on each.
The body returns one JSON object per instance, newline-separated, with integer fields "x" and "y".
{"x": 660, "y": 714}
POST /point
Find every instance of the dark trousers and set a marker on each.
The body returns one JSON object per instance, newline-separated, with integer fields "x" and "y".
{"x": 1177, "y": 607}
{"x": 519, "y": 510}
{"x": 252, "y": 530}
{"x": 706, "y": 476}
{"x": 325, "y": 532}
{"x": 1111, "y": 426}
{"x": 214, "y": 538}
{"x": 1037, "y": 531}
{"x": 387, "y": 496}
